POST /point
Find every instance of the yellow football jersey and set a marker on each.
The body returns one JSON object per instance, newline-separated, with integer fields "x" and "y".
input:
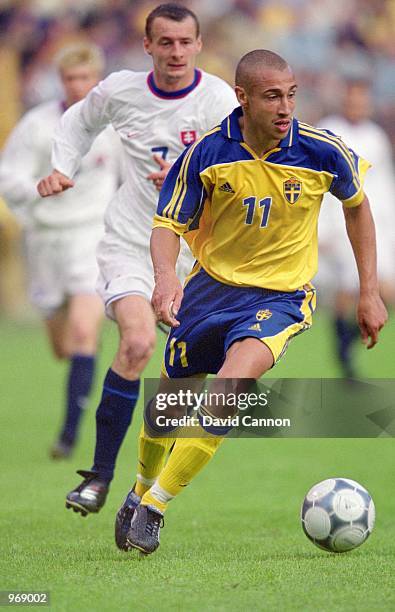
{"x": 252, "y": 221}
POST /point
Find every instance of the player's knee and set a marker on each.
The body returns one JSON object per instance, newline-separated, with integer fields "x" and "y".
{"x": 137, "y": 348}
{"x": 144, "y": 346}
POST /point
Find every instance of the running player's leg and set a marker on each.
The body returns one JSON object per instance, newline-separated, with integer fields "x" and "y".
{"x": 125, "y": 285}
{"x": 136, "y": 324}
{"x": 56, "y": 328}
{"x": 246, "y": 359}
{"x": 153, "y": 450}
{"x": 249, "y": 359}
{"x": 74, "y": 334}
{"x": 55, "y": 325}
{"x": 346, "y": 329}
{"x": 337, "y": 281}
{"x": 152, "y": 454}
{"x": 44, "y": 257}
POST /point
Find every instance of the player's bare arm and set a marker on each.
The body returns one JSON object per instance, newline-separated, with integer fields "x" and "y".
{"x": 55, "y": 183}
{"x": 158, "y": 177}
{"x": 168, "y": 293}
{"x": 371, "y": 312}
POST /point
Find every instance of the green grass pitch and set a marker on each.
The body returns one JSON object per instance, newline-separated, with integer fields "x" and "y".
{"x": 232, "y": 541}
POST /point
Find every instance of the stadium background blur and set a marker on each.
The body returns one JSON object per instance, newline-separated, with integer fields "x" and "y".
{"x": 326, "y": 40}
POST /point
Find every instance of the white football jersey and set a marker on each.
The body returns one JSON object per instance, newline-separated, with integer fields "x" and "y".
{"x": 26, "y": 158}
{"x": 337, "y": 262}
{"x": 370, "y": 141}
{"x": 148, "y": 121}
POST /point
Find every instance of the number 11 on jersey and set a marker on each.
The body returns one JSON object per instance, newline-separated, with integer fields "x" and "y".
{"x": 265, "y": 204}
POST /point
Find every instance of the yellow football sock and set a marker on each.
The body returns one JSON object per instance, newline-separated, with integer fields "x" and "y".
{"x": 187, "y": 458}
{"x": 152, "y": 455}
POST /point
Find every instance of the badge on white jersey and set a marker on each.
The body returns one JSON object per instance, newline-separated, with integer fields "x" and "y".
{"x": 188, "y": 137}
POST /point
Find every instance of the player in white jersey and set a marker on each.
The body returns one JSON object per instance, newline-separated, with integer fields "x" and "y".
{"x": 338, "y": 272}
{"x": 61, "y": 234}
{"x": 156, "y": 114}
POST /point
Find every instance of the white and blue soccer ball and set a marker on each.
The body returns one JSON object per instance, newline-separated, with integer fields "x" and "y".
{"x": 338, "y": 514}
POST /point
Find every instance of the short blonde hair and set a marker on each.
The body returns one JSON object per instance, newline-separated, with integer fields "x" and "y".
{"x": 80, "y": 53}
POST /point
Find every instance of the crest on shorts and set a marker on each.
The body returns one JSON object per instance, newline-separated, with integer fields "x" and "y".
{"x": 262, "y": 315}
{"x": 188, "y": 137}
{"x": 292, "y": 189}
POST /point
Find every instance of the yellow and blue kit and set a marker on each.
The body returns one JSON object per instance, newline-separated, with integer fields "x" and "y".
{"x": 251, "y": 223}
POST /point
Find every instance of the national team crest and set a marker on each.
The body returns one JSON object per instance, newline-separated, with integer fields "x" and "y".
{"x": 188, "y": 137}
{"x": 262, "y": 315}
{"x": 292, "y": 189}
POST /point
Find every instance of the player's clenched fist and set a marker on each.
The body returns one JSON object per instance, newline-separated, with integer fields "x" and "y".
{"x": 54, "y": 183}
{"x": 166, "y": 298}
{"x": 158, "y": 177}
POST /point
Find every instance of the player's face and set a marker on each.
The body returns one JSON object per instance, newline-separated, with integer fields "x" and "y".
{"x": 269, "y": 103}
{"x": 78, "y": 81}
{"x": 173, "y": 46}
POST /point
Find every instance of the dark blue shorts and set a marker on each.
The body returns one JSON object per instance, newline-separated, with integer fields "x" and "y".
{"x": 213, "y": 316}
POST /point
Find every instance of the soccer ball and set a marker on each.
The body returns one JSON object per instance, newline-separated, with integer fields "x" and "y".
{"x": 338, "y": 514}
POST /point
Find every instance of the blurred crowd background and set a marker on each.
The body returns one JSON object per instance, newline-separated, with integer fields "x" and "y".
{"x": 324, "y": 40}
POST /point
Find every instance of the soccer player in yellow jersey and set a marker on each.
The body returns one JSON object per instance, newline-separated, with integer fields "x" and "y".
{"x": 246, "y": 197}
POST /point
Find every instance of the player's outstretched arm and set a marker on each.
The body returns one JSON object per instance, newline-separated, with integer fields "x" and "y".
{"x": 168, "y": 293}
{"x": 53, "y": 184}
{"x": 371, "y": 312}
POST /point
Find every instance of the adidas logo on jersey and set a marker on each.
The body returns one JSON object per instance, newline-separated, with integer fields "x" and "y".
{"x": 255, "y": 327}
{"x": 226, "y": 187}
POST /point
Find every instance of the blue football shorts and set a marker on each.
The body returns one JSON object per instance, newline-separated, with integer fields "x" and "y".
{"x": 214, "y": 315}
